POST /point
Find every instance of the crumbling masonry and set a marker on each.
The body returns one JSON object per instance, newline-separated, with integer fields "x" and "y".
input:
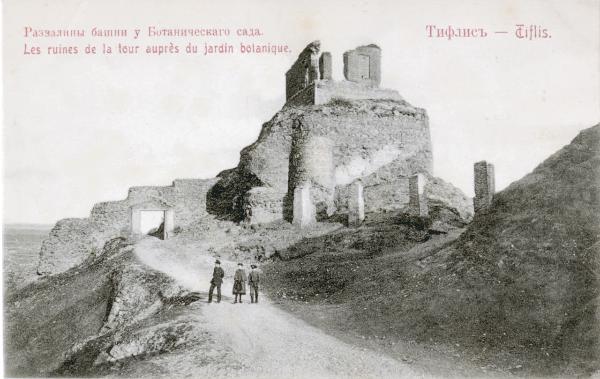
{"x": 309, "y": 80}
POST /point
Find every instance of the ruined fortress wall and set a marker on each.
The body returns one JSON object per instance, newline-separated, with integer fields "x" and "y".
{"x": 367, "y": 142}
{"x": 379, "y": 195}
{"x": 189, "y": 200}
{"x": 367, "y": 135}
{"x": 263, "y": 205}
{"x": 71, "y": 241}
{"x": 305, "y": 96}
{"x": 372, "y": 130}
{"x": 311, "y": 162}
{"x": 324, "y": 91}
{"x": 385, "y": 192}
{"x": 380, "y": 140}
{"x": 304, "y": 71}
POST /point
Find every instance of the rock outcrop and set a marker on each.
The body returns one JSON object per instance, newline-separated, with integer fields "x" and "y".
{"x": 109, "y": 308}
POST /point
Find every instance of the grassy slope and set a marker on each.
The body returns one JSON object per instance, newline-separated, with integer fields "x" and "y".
{"x": 533, "y": 258}
{"x": 518, "y": 289}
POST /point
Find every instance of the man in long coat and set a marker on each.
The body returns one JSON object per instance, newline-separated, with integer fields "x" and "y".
{"x": 216, "y": 281}
{"x": 253, "y": 280}
{"x": 239, "y": 283}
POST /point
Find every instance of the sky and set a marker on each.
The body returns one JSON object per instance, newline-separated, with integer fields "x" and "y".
{"x": 83, "y": 129}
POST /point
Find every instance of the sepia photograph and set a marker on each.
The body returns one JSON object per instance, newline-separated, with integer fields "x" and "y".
{"x": 316, "y": 189}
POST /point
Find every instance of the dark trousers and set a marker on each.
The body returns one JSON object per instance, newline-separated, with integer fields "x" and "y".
{"x": 210, "y": 292}
{"x": 254, "y": 293}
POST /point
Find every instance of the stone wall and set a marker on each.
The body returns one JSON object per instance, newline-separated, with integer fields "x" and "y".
{"x": 263, "y": 205}
{"x": 325, "y": 91}
{"x": 384, "y": 192}
{"x": 310, "y": 79}
{"x": 304, "y": 71}
{"x": 304, "y": 96}
{"x": 380, "y": 141}
{"x": 71, "y": 241}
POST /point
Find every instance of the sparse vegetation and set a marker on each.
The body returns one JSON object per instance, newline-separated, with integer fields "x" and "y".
{"x": 519, "y": 288}
{"x": 340, "y": 102}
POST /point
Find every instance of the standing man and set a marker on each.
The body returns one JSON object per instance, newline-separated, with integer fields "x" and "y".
{"x": 216, "y": 281}
{"x": 239, "y": 283}
{"x": 253, "y": 280}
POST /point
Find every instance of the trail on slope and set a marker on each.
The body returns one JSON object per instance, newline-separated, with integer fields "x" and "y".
{"x": 267, "y": 341}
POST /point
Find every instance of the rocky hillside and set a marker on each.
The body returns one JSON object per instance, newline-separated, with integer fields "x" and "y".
{"x": 518, "y": 290}
{"x": 81, "y": 321}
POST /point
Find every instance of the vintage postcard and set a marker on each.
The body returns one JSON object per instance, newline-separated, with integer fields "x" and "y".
{"x": 301, "y": 189}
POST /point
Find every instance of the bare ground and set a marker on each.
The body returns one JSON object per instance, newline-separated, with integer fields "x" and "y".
{"x": 264, "y": 340}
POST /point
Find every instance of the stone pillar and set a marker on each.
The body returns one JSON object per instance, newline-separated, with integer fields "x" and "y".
{"x": 485, "y": 185}
{"x": 356, "y": 204}
{"x": 136, "y": 220}
{"x": 169, "y": 224}
{"x": 417, "y": 203}
{"x": 304, "y": 209}
{"x": 325, "y": 67}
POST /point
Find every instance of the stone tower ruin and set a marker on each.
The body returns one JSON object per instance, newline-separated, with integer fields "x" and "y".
{"x": 337, "y": 148}
{"x": 309, "y": 80}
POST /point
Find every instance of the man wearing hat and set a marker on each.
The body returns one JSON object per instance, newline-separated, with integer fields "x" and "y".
{"x": 253, "y": 280}
{"x": 239, "y": 283}
{"x": 216, "y": 281}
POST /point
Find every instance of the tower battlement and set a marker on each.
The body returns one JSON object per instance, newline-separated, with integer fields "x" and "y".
{"x": 310, "y": 81}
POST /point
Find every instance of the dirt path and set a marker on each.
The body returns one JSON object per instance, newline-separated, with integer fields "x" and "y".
{"x": 267, "y": 341}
